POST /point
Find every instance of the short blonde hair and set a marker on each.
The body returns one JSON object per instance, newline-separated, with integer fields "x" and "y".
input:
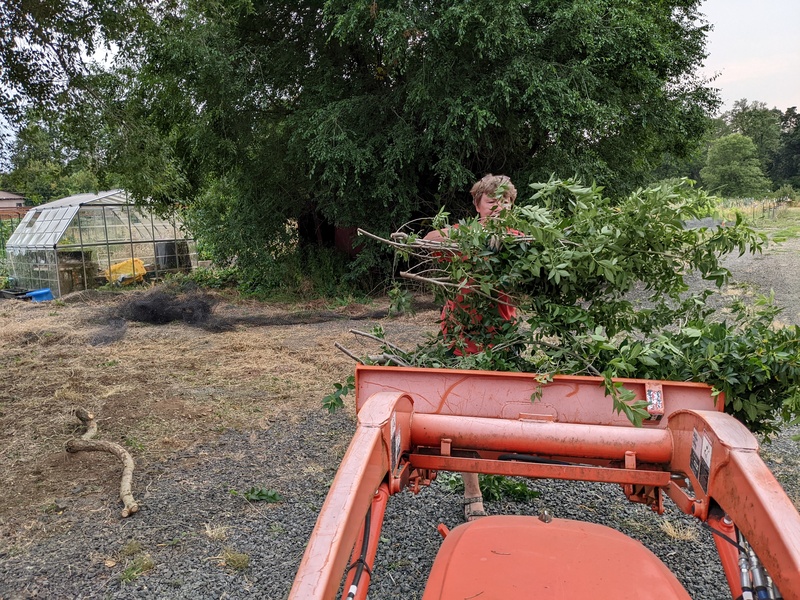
{"x": 489, "y": 185}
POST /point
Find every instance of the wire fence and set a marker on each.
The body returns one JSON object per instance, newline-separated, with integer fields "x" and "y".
{"x": 764, "y": 208}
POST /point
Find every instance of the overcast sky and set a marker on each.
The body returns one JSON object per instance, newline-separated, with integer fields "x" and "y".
{"x": 755, "y": 49}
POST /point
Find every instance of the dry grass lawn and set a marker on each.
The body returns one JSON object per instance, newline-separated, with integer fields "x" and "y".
{"x": 156, "y": 389}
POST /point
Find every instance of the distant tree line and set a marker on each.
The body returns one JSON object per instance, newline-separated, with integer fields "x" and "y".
{"x": 749, "y": 151}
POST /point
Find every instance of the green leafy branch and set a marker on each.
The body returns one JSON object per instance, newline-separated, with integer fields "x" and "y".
{"x": 574, "y": 263}
{"x": 333, "y": 401}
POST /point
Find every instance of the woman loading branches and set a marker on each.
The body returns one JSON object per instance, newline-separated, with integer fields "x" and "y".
{"x": 463, "y": 325}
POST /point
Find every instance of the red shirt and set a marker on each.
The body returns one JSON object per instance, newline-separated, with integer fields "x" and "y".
{"x": 506, "y": 310}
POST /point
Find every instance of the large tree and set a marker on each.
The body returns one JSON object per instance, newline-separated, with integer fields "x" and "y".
{"x": 255, "y": 114}
{"x": 43, "y": 168}
{"x": 760, "y": 124}
{"x": 733, "y": 168}
{"x": 364, "y": 113}
{"x": 786, "y": 168}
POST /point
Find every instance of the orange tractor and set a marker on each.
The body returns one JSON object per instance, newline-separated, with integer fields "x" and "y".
{"x": 414, "y": 422}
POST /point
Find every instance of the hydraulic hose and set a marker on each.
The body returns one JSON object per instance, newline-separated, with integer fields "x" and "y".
{"x": 361, "y": 562}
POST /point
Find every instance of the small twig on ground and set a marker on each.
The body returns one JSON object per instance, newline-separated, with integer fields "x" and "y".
{"x": 338, "y": 346}
{"x": 87, "y": 444}
{"x": 377, "y": 339}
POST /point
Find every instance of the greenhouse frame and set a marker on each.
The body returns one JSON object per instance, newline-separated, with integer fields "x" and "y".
{"x": 89, "y": 240}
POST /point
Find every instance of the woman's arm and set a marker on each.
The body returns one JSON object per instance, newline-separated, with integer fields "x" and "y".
{"x": 437, "y": 235}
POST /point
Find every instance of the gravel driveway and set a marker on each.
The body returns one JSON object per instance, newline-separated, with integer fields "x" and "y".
{"x": 190, "y": 525}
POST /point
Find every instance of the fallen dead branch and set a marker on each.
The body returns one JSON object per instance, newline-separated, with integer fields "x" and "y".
{"x": 87, "y": 444}
{"x": 384, "y": 358}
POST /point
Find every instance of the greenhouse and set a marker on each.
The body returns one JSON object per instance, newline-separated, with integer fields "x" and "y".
{"x": 89, "y": 240}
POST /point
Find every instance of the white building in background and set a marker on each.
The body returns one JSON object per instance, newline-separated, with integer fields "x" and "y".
{"x": 9, "y": 200}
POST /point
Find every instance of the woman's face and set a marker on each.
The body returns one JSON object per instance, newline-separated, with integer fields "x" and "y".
{"x": 489, "y": 207}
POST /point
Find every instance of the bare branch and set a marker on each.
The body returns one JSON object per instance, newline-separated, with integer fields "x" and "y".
{"x": 86, "y": 444}
{"x": 439, "y": 282}
{"x": 338, "y": 346}
{"x": 377, "y": 339}
{"x": 389, "y": 358}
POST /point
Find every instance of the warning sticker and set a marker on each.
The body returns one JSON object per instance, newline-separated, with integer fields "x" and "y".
{"x": 395, "y": 442}
{"x": 705, "y": 463}
{"x": 700, "y": 458}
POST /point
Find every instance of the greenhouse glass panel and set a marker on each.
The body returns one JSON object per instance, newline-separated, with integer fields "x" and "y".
{"x": 91, "y": 224}
{"x": 141, "y": 224}
{"x": 145, "y": 251}
{"x": 110, "y": 254}
{"x": 163, "y": 229}
{"x": 117, "y": 225}
{"x": 77, "y": 270}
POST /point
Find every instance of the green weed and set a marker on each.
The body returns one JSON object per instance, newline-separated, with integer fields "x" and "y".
{"x": 131, "y": 548}
{"x": 493, "y": 487}
{"x": 141, "y": 564}
{"x": 333, "y": 401}
{"x": 237, "y": 561}
{"x": 133, "y": 443}
{"x": 258, "y": 494}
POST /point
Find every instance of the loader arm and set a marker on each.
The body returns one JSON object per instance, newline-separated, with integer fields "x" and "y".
{"x": 415, "y": 422}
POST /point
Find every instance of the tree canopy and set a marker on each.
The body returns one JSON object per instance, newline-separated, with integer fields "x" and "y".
{"x": 733, "y": 168}
{"x": 760, "y": 124}
{"x": 45, "y": 45}
{"x": 786, "y": 167}
{"x": 48, "y": 163}
{"x": 257, "y": 113}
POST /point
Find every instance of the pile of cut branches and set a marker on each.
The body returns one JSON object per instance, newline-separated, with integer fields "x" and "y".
{"x": 573, "y": 261}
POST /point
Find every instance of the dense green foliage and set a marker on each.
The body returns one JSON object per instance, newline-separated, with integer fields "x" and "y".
{"x": 45, "y": 168}
{"x": 775, "y": 136}
{"x": 733, "y": 168}
{"x": 601, "y": 286}
{"x": 786, "y": 166}
{"x": 761, "y": 124}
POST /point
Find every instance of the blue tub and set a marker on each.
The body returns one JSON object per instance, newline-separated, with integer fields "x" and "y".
{"x": 40, "y": 295}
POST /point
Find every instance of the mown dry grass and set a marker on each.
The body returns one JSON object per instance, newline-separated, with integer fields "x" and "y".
{"x": 156, "y": 389}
